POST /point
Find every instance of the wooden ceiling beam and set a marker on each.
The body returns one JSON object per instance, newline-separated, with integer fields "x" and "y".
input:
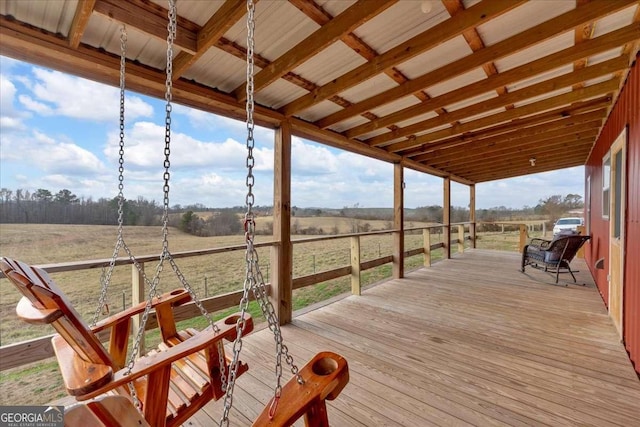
{"x": 589, "y": 48}
{"x": 509, "y": 46}
{"x": 84, "y": 9}
{"x": 520, "y": 95}
{"x": 582, "y": 34}
{"x": 223, "y": 19}
{"x": 151, "y": 19}
{"x": 475, "y": 42}
{"x": 25, "y": 43}
{"x": 514, "y": 137}
{"x": 522, "y": 158}
{"x": 440, "y": 33}
{"x": 517, "y": 124}
{"x": 543, "y": 165}
{"x": 541, "y": 144}
{"x": 479, "y": 148}
{"x": 346, "y": 22}
{"x": 524, "y": 130}
{"x": 525, "y": 110}
{"x": 322, "y": 17}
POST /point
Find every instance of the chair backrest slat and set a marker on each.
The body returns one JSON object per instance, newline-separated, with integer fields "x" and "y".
{"x": 565, "y": 248}
{"x": 36, "y": 285}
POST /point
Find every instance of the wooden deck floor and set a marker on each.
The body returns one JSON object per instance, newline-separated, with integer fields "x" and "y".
{"x": 469, "y": 341}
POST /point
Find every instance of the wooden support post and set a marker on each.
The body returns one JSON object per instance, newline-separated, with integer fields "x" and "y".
{"x": 582, "y": 230}
{"x": 356, "y": 287}
{"x": 544, "y": 229}
{"x": 282, "y": 252}
{"x": 426, "y": 236}
{"x": 460, "y": 239}
{"x": 137, "y": 296}
{"x": 446, "y": 217}
{"x": 472, "y": 215}
{"x": 398, "y": 221}
{"x": 523, "y": 237}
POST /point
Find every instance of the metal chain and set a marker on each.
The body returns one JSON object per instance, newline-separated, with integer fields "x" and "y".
{"x": 254, "y": 280}
{"x": 105, "y": 277}
{"x": 166, "y": 255}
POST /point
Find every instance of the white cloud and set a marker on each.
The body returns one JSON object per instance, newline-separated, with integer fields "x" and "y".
{"x": 61, "y": 94}
{"x": 145, "y": 142}
{"x": 530, "y": 189}
{"x": 42, "y": 152}
{"x": 35, "y": 106}
{"x": 10, "y": 118}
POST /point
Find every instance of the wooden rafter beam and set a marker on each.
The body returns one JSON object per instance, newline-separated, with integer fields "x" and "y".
{"x": 525, "y": 110}
{"x": 151, "y": 19}
{"x": 582, "y": 34}
{"x": 509, "y": 46}
{"x": 25, "y": 43}
{"x": 589, "y": 48}
{"x": 541, "y": 143}
{"x": 534, "y": 135}
{"x": 210, "y": 33}
{"x": 346, "y": 22}
{"x": 542, "y": 165}
{"x": 563, "y": 148}
{"x": 520, "y": 95}
{"x": 475, "y": 42}
{"x": 438, "y": 34}
{"x": 84, "y": 9}
{"x": 321, "y": 17}
{"x": 514, "y": 125}
{"x": 515, "y": 137}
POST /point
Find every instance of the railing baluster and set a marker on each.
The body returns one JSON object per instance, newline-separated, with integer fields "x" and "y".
{"x": 356, "y": 287}
{"x": 137, "y": 296}
{"x": 426, "y": 236}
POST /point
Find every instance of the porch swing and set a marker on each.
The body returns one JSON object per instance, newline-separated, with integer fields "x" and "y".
{"x": 189, "y": 368}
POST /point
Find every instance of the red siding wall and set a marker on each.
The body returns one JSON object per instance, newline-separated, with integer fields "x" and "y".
{"x": 625, "y": 113}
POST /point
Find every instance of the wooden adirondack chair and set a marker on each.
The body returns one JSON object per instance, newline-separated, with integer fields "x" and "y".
{"x": 171, "y": 383}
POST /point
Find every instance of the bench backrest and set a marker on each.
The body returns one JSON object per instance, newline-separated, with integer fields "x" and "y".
{"x": 44, "y": 302}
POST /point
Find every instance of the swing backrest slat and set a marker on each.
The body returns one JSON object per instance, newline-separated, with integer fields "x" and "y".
{"x": 44, "y": 302}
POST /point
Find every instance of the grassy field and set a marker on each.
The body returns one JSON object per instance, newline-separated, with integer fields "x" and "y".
{"x": 208, "y": 275}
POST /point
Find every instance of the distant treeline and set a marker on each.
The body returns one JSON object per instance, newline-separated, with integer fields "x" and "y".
{"x": 45, "y": 207}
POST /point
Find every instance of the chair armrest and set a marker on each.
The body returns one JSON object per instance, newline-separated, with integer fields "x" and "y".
{"x": 175, "y": 298}
{"x": 325, "y": 376}
{"x": 150, "y": 363}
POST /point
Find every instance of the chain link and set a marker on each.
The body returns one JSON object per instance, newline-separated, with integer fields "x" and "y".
{"x": 105, "y": 276}
{"x": 254, "y": 281}
{"x": 166, "y": 254}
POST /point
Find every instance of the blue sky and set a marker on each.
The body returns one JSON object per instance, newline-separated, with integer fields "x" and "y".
{"x": 59, "y": 131}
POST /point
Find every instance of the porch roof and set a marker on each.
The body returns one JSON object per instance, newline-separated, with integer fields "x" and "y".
{"x": 470, "y": 90}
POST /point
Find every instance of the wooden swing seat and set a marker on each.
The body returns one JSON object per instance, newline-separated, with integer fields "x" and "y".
{"x": 172, "y": 382}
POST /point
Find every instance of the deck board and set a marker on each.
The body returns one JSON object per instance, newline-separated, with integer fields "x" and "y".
{"x": 468, "y": 341}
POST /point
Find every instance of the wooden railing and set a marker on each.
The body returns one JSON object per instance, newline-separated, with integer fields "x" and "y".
{"x": 21, "y": 353}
